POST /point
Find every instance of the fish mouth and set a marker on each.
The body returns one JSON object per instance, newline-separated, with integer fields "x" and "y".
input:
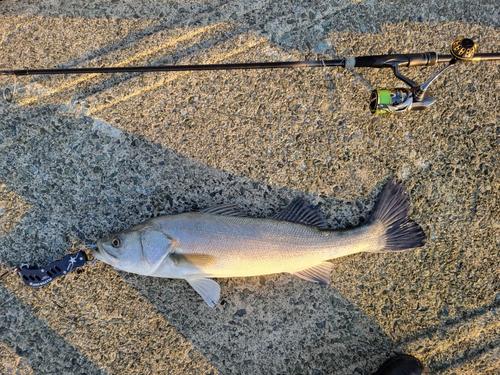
{"x": 99, "y": 252}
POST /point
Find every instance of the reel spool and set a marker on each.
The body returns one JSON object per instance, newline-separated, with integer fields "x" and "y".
{"x": 396, "y": 100}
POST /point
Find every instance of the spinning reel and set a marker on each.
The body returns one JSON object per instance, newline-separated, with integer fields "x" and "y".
{"x": 401, "y": 100}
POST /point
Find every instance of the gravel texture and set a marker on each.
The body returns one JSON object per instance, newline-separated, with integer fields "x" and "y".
{"x": 83, "y": 156}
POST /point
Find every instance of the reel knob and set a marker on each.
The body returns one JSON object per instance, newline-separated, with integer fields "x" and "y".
{"x": 463, "y": 49}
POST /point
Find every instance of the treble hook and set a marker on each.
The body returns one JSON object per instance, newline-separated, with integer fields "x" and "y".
{"x": 8, "y": 92}
{"x": 7, "y": 272}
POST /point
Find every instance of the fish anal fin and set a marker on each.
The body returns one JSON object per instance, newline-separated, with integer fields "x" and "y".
{"x": 208, "y": 289}
{"x": 320, "y": 273}
{"x": 196, "y": 260}
{"x": 302, "y": 211}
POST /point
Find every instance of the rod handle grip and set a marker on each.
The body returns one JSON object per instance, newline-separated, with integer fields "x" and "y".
{"x": 405, "y": 60}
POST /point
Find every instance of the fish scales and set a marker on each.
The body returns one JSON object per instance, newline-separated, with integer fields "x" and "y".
{"x": 220, "y": 242}
{"x": 250, "y": 247}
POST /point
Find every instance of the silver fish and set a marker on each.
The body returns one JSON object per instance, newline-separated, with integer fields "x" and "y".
{"x": 221, "y": 242}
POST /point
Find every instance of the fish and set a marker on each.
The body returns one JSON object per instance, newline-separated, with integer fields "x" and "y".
{"x": 220, "y": 242}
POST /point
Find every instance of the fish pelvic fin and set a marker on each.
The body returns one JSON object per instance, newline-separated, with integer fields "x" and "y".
{"x": 391, "y": 210}
{"x": 320, "y": 273}
{"x": 208, "y": 289}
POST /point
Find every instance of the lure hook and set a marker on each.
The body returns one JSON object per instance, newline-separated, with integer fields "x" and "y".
{"x": 10, "y": 90}
{"x": 6, "y": 273}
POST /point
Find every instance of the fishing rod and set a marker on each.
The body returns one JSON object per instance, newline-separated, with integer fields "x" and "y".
{"x": 395, "y": 100}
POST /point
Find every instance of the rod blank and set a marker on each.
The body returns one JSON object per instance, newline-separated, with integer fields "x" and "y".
{"x": 380, "y": 61}
{"x": 178, "y": 68}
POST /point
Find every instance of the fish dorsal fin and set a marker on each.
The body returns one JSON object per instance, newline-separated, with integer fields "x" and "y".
{"x": 320, "y": 273}
{"x": 302, "y": 211}
{"x": 208, "y": 289}
{"x": 229, "y": 209}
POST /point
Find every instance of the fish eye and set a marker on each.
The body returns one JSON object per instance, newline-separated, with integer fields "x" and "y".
{"x": 116, "y": 242}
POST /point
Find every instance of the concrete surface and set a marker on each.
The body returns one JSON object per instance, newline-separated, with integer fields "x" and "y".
{"x": 83, "y": 156}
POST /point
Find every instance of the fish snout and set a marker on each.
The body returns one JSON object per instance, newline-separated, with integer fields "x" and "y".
{"x": 102, "y": 252}
{"x": 97, "y": 250}
{"x": 93, "y": 248}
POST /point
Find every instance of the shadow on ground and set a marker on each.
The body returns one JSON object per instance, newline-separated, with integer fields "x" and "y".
{"x": 83, "y": 158}
{"x": 84, "y": 185}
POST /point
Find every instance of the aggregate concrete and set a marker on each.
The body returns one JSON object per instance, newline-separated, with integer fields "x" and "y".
{"x": 84, "y": 156}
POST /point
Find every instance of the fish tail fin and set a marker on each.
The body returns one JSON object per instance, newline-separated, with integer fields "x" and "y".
{"x": 391, "y": 210}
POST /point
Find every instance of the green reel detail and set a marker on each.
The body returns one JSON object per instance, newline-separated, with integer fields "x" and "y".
{"x": 379, "y": 100}
{"x": 390, "y": 101}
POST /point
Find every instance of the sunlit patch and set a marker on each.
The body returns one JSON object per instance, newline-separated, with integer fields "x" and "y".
{"x": 174, "y": 77}
{"x": 12, "y": 207}
{"x": 107, "y": 321}
{"x": 485, "y": 363}
{"x": 141, "y": 53}
{"x": 460, "y": 339}
{"x": 12, "y": 363}
{"x": 202, "y": 114}
{"x": 59, "y": 43}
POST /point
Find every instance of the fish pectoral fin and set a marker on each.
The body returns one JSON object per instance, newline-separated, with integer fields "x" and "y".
{"x": 197, "y": 260}
{"x": 320, "y": 273}
{"x": 208, "y": 289}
